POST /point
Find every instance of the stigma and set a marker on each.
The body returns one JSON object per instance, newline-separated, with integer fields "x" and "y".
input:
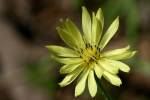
{"x": 90, "y": 54}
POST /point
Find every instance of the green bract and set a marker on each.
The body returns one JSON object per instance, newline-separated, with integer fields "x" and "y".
{"x": 85, "y": 57}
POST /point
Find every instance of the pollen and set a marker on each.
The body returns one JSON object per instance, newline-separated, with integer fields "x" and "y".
{"x": 90, "y": 54}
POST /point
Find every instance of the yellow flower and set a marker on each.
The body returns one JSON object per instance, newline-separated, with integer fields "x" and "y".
{"x": 85, "y": 57}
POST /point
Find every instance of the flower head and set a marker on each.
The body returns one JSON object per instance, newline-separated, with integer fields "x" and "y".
{"x": 85, "y": 57}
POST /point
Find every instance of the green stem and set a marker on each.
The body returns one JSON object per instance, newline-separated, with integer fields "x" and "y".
{"x": 103, "y": 92}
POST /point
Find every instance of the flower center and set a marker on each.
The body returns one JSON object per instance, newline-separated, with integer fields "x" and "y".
{"x": 91, "y": 54}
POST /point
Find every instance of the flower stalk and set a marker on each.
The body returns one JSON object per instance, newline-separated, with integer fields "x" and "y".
{"x": 103, "y": 91}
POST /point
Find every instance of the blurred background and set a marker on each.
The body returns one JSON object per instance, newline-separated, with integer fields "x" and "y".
{"x": 28, "y": 73}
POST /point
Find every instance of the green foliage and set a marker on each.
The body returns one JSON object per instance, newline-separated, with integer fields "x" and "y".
{"x": 129, "y": 10}
{"x": 41, "y": 74}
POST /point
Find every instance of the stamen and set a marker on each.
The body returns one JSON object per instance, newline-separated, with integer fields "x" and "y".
{"x": 99, "y": 49}
{"x": 86, "y": 45}
{"x": 90, "y": 54}
{"x": 80, "y": 56}
{"x": 91, "y": 47}
{"x": 82, "y": 51}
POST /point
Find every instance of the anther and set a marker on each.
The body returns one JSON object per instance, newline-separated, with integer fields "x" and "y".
{"x": 86, "y": 45}
{"x": 99, "y": 49}
{"x": 96, "y": 52}
{"x": 80, "y": 56}
{"x": 77, "y": 50}
{"x": 96, "y": 62}
{"x": 91, "y": 47}
{"x": 81, "y": 50}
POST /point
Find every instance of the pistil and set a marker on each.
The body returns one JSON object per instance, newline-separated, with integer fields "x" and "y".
{"x": 90, "y": 54}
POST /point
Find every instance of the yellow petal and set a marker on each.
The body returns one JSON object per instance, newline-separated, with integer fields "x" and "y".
{"x": 115, "y": 52}
{"x": 70, "y": 34}
{"x": 67, "y": 60}
{"x": 125, "y": 55}
{"x": 108, "y": 67}
{"x": 69, "y": 68}
{"x": 62, "y": 51}
{"x": 70, "y": 77}
{"x": 86, "y": 25}
{"x": 113, "y": 79}
{"x": 98, "y": 70}
{"x": 80, "y": 87}
{"x": 100, "y": 17}
{"x": 119, "y": 54}
{"x": 92, "y": 84}
{"x": 109, "y": 33}
{"x": 96, "y": 30}
{"x": 122, "y": 66}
